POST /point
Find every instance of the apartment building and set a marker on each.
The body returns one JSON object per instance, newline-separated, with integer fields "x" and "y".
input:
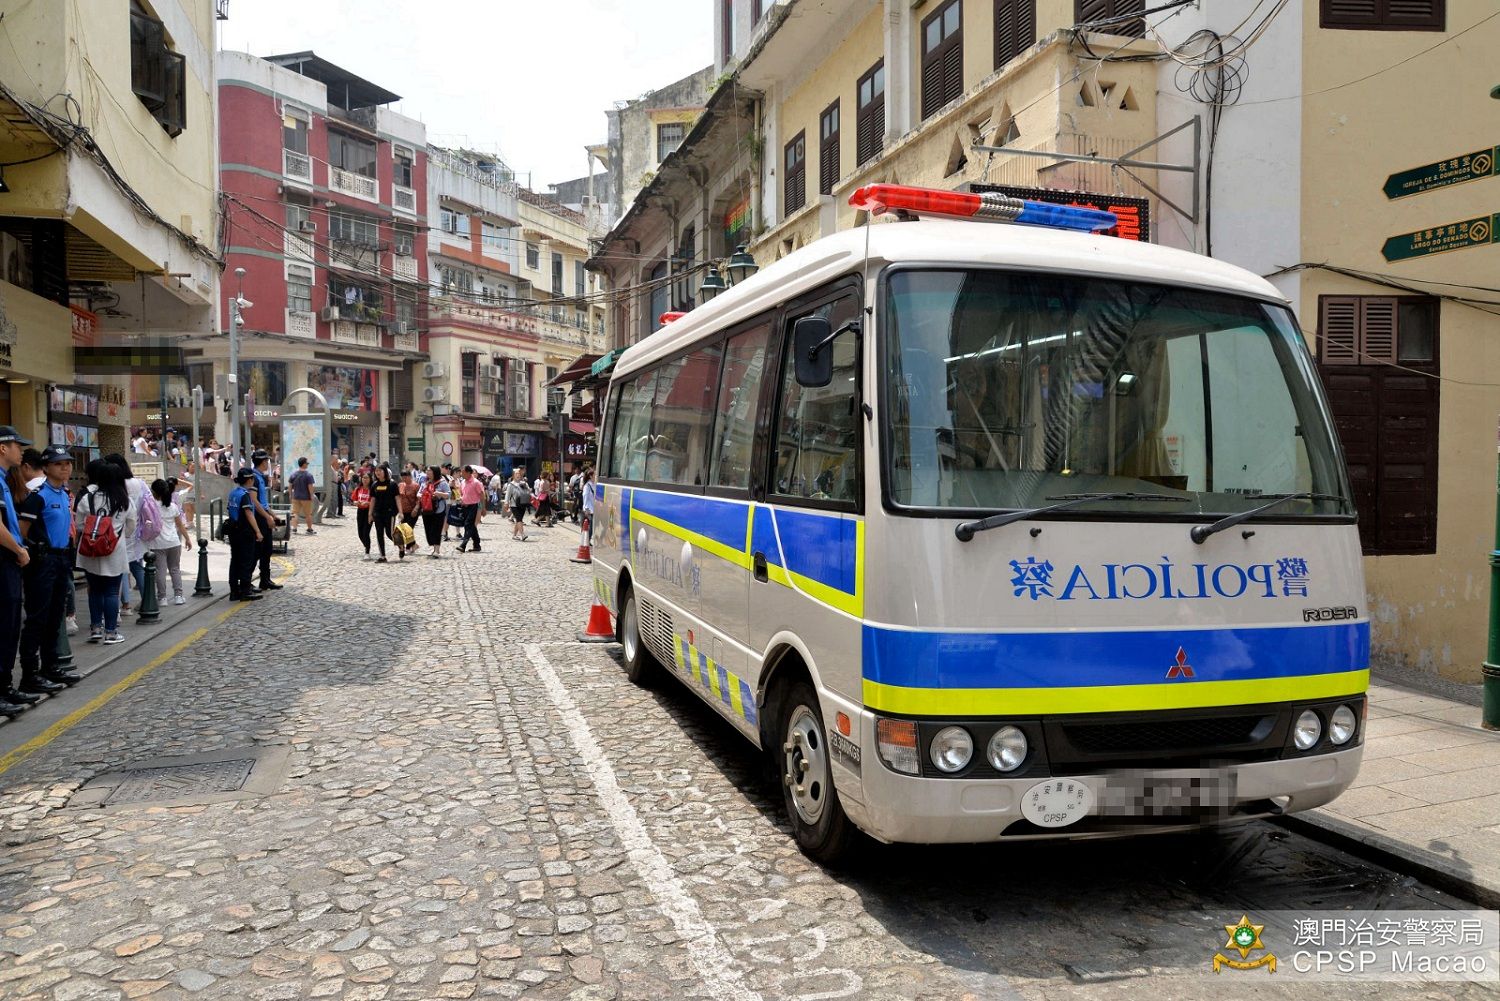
{"x": 108, "y": 258}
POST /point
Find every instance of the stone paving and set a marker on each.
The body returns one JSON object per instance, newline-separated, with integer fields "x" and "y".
{"x": 476, "y": 806}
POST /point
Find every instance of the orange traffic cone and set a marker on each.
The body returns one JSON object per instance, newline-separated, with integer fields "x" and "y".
{"x": 599, "y": 629}
{"x": 584, "y": 555}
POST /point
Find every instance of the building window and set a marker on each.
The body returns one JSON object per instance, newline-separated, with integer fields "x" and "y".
{"x": 726, "y": 30}
{"x": 942, "y": 57}
{"x": 294, "y": 130}
{"x": 757, "y": 11}
{"x": 828, "y": 149}
{"x": 299, "y": 282}
{"x": 454, "y": 221}
{"x": 350, "y": 154}
{"x": 870, "y": 115}
{"x": 1015, "y": 29}
{"x": 158, "y": 76}
{"x": 405, "y": 241}
{"x": 355, "y": 301}
{"x": 1379, "y": 361}
{"x": 299, "y": 219}
{"x": 1114, "y": 17}
{"x": 455, "y": 280}
{"x": 533, "y": 256}
{"x": 468, "y": 365}
{"x": 668, "y": 138}
{"x": 346, "y": 227}
{"x": 492, "y": 235}
{"x": 660, "y": 295}
{"x": 580, "y": 280}
{"x": 794, "y": 177}
{"x": 1384, "y": 15}
{"x": 405, "y": 165}
{"x": 557, "y": 274}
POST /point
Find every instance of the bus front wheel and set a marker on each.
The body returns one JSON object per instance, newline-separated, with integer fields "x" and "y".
{"x": 640, "y": 666}
{"x": 822, "y": 829}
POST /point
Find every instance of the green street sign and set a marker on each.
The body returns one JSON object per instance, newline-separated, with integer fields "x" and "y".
{"x": 1477, "y": 232}
{"x": 414, "y": 444}
{"x": 1429, "y": 176}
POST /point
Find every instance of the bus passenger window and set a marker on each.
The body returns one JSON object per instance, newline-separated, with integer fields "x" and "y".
{"x": 739, "y": 393}
{"x": 681, "y": 418}
{"x": 818, "y": 439}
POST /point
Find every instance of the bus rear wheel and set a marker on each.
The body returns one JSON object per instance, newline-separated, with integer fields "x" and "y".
{"x": 823, "y": 831}
{"x": 640, "y": 667}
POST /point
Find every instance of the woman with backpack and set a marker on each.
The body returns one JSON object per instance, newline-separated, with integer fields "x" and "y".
{"x": 105, "y": 518}
{"x": 169, "y": 542}
{"x": 432, "y": 503}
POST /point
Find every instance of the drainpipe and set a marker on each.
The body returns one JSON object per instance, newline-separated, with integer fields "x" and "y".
{"x": 1491, "y": 669}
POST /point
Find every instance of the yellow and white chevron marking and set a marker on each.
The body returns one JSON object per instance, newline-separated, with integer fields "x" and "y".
{"x": 726, "y": 686}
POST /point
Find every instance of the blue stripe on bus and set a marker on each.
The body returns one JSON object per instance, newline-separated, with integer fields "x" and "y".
{"x": 820, "y": 547}
{"x": 721, "y": 521}
{"x": 912, "y": 659}
{"x": 627, "y": 497}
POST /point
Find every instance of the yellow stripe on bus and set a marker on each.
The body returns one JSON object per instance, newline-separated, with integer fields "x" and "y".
{"x": 1109, "y": 698}
{"x": 703, "y": 542}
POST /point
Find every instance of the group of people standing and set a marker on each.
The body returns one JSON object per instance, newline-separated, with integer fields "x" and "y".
{"x": 46, "y": 532}
{"x": 249, "y": 527}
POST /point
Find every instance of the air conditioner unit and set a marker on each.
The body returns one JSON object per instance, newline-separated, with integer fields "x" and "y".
{"x": 433, "y": 370}
{"x": 489, "y": 386}
{"x": 434, "y": 394}
{"x": 308, "y": 226}
{"x": 490, "y": 371}
{"x": 329, "y": 314}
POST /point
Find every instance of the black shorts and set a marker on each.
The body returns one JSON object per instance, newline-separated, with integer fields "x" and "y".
{"x": 518, "y": 512}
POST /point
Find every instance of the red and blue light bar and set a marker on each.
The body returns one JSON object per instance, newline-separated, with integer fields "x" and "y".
{"x": 878, "y": 199}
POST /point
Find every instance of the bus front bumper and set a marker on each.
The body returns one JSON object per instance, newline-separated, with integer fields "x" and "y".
{"x": 906, "y": 808}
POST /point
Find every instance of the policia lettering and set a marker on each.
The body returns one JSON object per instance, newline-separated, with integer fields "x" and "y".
{"x": 1288, "y": 577}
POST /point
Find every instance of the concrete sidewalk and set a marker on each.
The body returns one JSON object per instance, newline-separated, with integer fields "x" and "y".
{"x": 1428, "y": 794}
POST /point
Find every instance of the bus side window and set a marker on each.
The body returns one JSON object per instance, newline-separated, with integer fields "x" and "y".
{"x": 733, "y": 437}
{"x": 817, "y": 441}
{"x": 681, "y": 417}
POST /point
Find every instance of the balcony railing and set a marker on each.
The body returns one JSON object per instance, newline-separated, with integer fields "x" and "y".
{"x": 300, "y": 324}
{"x": 404, "y": 267}
{"x": 297, "y": 166}
{"x": 298, "y": 249}
{"x": 404, "y": 199}
{"x": 364, "y": 334}
{"x": 406, "y": 342}
{"x": 357, "y": 185}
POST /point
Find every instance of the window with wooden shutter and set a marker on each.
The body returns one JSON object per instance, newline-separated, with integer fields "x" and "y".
{"x": 869, "y": 126}
{"x": 1378, "y": 357}
{"x": 794, "y": 176}
{"x": 1383, "y": 15}
{"x": 1112, "y": 17}
{"x": 942, "y": 57}
{"x": 828, "y": 149}
{"x": 1015, "y": 29}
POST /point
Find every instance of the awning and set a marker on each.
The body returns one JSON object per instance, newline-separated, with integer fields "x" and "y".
{"x": 581, "y": 427}
{"x": 578, "y": 369}
{"x": 606, "y": 362}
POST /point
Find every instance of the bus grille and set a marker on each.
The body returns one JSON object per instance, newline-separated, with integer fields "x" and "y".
{"x": 1203, "y": 734}
{"x": 656, "y": 628}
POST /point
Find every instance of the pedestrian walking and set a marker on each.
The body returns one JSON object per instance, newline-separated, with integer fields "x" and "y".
{"x": 432, "y": 502}
{"x": 244, "y": 537}
{"x": 169, "y": 543}
{"x": 471, "y": 496}
{"x": 301, "y": 485}
{"x": 105, "y": 519}
{"x": 340, "y": 479}
{"x": 586, "y": 501}
{"x": 47, "y": 527}
{"x": 360, "y": 498}
{"x": 518, "y": 502}
{"x": 14, "y": 558}
{"x": 406, "y": 498}
{"x": 261, "y": 461}
{"x": 135, "y": 546}
{"x": 383, "y": 507}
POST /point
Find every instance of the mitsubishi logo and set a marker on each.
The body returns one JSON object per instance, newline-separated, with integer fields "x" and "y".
{"x": 1181, "y": 669}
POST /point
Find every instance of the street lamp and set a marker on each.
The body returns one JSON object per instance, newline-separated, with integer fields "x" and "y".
{"x": 236, "y": 320}
{"x": 741, "y": 265}
{"x": 711, "y": 285}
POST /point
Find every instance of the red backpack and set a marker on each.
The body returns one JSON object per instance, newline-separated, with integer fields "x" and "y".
{"x": 424, "y": 499}
{"x": 99, "y": 536}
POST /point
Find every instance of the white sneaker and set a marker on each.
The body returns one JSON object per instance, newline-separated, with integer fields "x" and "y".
{"x": 112, "y": 638}
{"x": 177, "y": 600}
{"x": 72, "y": 625}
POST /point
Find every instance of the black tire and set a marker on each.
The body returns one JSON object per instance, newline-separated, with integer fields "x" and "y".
{"x": 640, "y": 666}
{"x": 803, "y": 764}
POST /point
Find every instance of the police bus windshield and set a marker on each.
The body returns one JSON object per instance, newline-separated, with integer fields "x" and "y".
{"x": 1004, "y": 389}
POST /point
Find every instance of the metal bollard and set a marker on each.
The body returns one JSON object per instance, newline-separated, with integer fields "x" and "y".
{"x": 64, "y": 648}
{"x": 150, "y": 611}
{"x": 204, "y": 588}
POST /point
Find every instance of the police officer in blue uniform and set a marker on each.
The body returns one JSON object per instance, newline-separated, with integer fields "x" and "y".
{"x": 244, "y": 534}
{"x": 262, "y": 463}
{"x": 13, "y": 559}
{"x": 47, "y": 524}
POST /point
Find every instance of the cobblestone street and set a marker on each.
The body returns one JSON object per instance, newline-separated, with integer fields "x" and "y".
{"x": 464, "y": 802}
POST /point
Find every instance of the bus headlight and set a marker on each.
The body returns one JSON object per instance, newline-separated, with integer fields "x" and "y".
{"x": 952, "y": 748}
{"x": 1341, "y": 725}
{"x": 1007, "y": 749}
{"x": 1307, "y": 730}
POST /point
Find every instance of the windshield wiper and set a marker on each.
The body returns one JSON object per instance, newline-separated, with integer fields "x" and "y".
{"x": 965, "y": 530}
{"x": 1200, "y": 533}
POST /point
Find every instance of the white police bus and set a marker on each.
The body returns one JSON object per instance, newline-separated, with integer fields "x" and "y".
{"x": 994, "y": 531}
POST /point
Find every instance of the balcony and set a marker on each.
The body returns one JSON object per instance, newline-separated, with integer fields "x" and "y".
{"x": 357, "y": 185}
{"x": 406, "y": 342}
{"x": 296, "y": 166}
{"x": 404, "y": 200}
{"x": 297, "y": 249}
{"x": 300, "y": 324}
{"x": 404, "y": 268}
{"x": 366, "y": 335}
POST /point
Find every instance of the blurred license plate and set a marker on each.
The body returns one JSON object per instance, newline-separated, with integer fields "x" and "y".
{"x": 1137, "y": 794}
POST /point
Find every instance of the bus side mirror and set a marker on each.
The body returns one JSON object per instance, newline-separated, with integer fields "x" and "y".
{"x": 811, "y": 338}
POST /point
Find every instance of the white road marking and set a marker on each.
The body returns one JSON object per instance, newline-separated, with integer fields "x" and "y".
{"x": 721, "y": 974}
